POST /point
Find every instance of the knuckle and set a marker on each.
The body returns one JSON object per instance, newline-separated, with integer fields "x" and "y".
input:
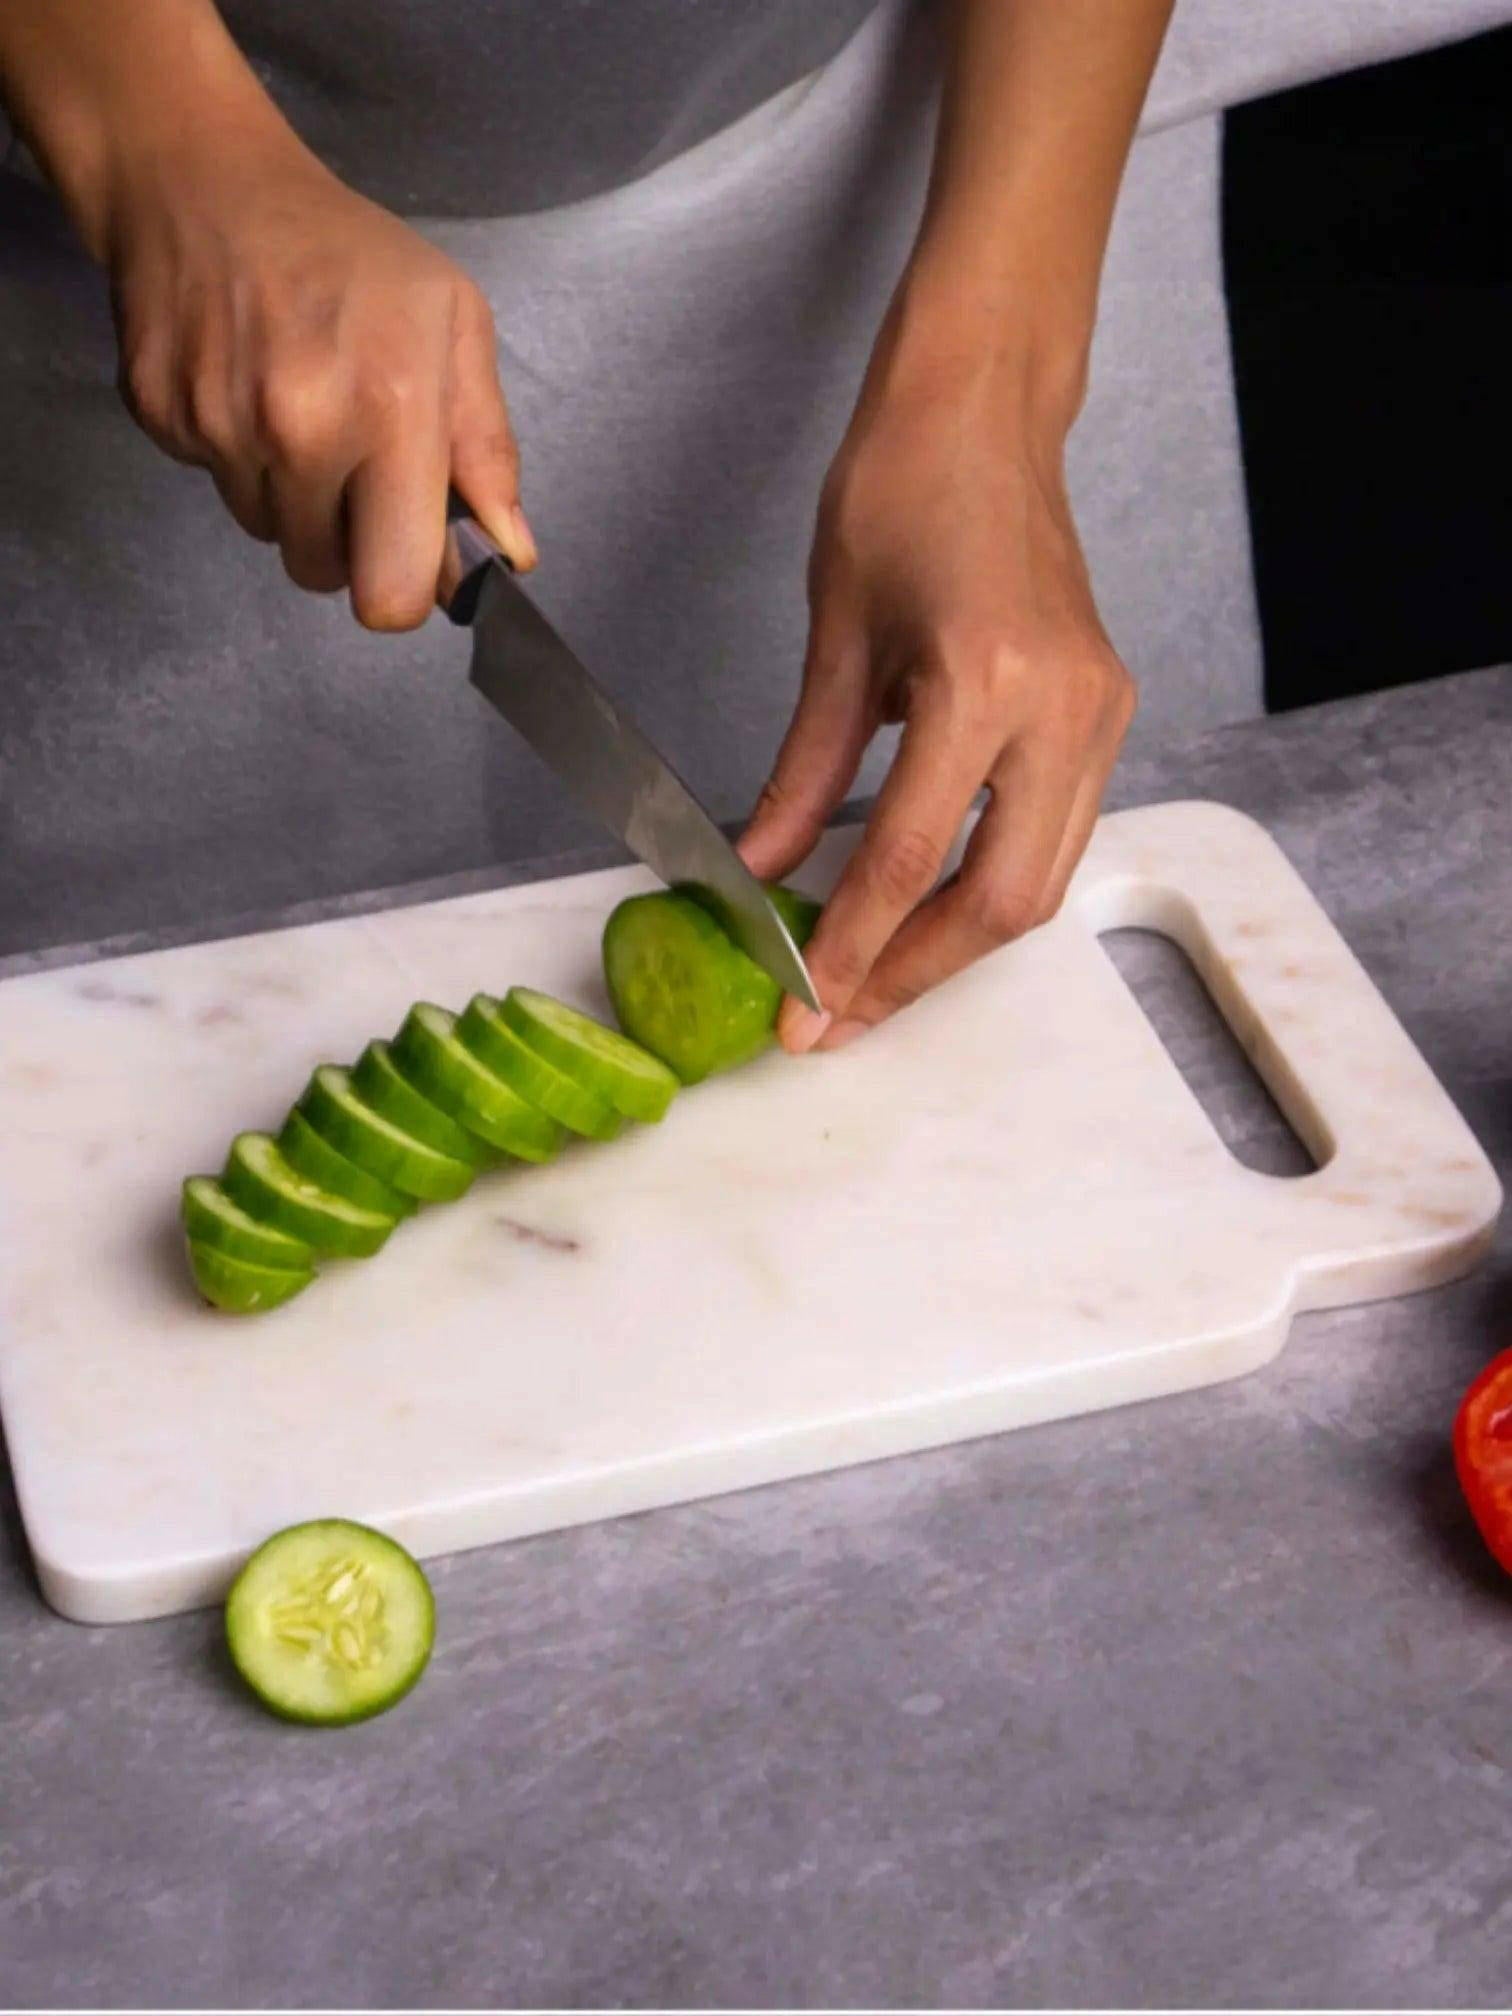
{"x": 144, "y": 385}
{"x": 892, "y": 993}
{"x": 295, "y": 412}
{"x": 842, "y": 963}
{"x": 906, "y": 864}
{"x": 1005, "y": 910}
{"x": 209, "y": 419}
{"x": 1122, "y": 696}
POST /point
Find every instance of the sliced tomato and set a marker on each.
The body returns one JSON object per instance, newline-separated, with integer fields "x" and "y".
{"x": 1483, "y": 1455}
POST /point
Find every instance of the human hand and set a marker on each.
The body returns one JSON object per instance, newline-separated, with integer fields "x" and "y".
{"x": 332, "y": 371}
{"x": 947, "y": 591}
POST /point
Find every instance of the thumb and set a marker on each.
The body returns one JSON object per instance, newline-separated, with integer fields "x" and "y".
{"x": 485, "y": 458}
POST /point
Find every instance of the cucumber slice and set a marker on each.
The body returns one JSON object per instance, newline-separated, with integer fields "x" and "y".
{"x": 377, "y": 1145}
{"x": 330, "y": 1622}
{"x": 242, "y": 1287}
{"x": 258, "y": 1178}
{"x": 483, "y": 1031}
{"x": 684, "y": 990}
{"x": 310, "y": 1155}
{"x": 633, "y": 1081}
{"x": 429, "y": 1053}
{"x": 212, "y": 1220}
{"x": 379, "y": 1084}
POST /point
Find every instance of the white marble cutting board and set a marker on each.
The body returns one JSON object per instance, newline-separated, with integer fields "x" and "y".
{"x": 1005, "y": 1207}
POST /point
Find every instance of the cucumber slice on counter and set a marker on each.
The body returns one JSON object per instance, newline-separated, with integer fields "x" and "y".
{"x": 684, "y": 990}
{"x": 633, "y": 1081}
{"x": 483, "y": 1031}
{"x": 241, "y": 1287}
{"x": 212, "y": 1220}
{"x": 377, "y": 1145}
{"x": 330, "y": 1622}
{"x": 429, "y": 1053}
{"x": 379, "y": 1083}
{"x": 258, "y": 1178}
{"x": 310, "y": 1155}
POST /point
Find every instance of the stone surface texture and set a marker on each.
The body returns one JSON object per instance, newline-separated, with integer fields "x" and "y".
{"x": 1204, "y": 1701}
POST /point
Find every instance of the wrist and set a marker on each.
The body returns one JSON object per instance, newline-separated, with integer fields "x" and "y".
{"x": 111, "y": 118}
{"x": 995, "y": 315}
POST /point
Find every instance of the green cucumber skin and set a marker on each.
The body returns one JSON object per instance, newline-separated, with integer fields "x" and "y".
{"x": 330, "y": 1233}
{"x": 718, "y": 1009}
{"x": 307, "y": 1150}
{"x": 481, "y": 1030}
{"x": 419, "y": 1171}
{"x": 235, "y": 1233}
{"x": 240, "y": 1287}
{"x": 379, "y": 1083}
{"x": 465, "y": 1087}
{"x": 637, "y": 1085}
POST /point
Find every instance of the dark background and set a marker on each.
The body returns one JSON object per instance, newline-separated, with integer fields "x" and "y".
{"x": 1368, "y": 262}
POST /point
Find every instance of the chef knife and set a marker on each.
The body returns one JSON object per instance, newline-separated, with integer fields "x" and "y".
{"x": 542, "y": 688}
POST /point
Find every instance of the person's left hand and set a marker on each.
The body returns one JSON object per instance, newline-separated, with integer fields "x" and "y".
{"x": 947, "y": 591}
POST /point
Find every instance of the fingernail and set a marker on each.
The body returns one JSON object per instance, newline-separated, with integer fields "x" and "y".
{"x": 845, "y": 1032}
{"x": 801, "y": 1029}
{"x": 526, "y": 553}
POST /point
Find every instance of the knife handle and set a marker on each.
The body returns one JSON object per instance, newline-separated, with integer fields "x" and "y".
{"x": 474, "y": 551}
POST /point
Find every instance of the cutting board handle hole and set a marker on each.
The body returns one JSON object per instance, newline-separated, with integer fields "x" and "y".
{"x": 1196, "y": 1036}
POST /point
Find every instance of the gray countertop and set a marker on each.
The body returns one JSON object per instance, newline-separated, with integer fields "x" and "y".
{"x": 1201, "y": 1701}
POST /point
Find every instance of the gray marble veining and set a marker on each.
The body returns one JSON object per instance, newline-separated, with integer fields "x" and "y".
{"x": 1203, "y": 1701}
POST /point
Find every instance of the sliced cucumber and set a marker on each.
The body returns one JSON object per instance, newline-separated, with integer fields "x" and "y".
{"x": 379, "y": 1083}
{"x": 633, "y": 1081}
{"x": 683, "y": 988}
{"x": 377, "y": 1145}
{"x": 212, "y": 1220}
{"x": 312, "y": 1156}
{"x": 241, "y": 1287}
{"x": 430, "y": 1054}
{"x": 259, "y": 1179}
{"x": 483, "y": 1031}
{"x": 330, "y": 1622}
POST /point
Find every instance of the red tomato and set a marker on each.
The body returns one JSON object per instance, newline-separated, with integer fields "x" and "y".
{"x": 1483, "y": 1455}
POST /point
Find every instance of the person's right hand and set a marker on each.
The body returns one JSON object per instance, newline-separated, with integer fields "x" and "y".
{"x": 332, "y": 371}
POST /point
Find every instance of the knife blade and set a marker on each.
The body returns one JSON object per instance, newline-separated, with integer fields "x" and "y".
{"x": 532, "y": 676}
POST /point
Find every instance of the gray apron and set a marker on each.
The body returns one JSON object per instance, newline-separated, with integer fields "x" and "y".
{"x": 183, "y": 736}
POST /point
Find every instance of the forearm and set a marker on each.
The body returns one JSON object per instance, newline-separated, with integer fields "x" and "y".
{"x": 1041, "y": 100}
{"x": 102, "y": 106}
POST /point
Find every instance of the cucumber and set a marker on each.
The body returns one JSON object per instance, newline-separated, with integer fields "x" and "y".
{"x": 310, "y": 1155}
{"x": 379, "y": 1083}
{"x": 633, "y": 1081}
{"x": 684, "y": 990}
{"x": 242, "y": 1287}
{"x": 212, "y": 1220}
{"x": 330, "y": 1622}
{"x": 258, "y": 1178}
{"x": 483, "y": 1031}
{"x": 428, "y": 1052}
{"x": 377, "y": 1145}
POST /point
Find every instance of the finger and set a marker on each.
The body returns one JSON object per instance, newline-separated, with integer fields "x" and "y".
{"x": 1001, "y": 892}
{"x": 306, "y": 506}
{"x": 938, "y": 770}
{"x": 396, "y": 528}
{"x": 1080, "y": 823}
{"x": 1102, "y": 760}
{"x": 832, "y": 724}
{"x": 245, "y": 492}
{"x": 485, "y": 457}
